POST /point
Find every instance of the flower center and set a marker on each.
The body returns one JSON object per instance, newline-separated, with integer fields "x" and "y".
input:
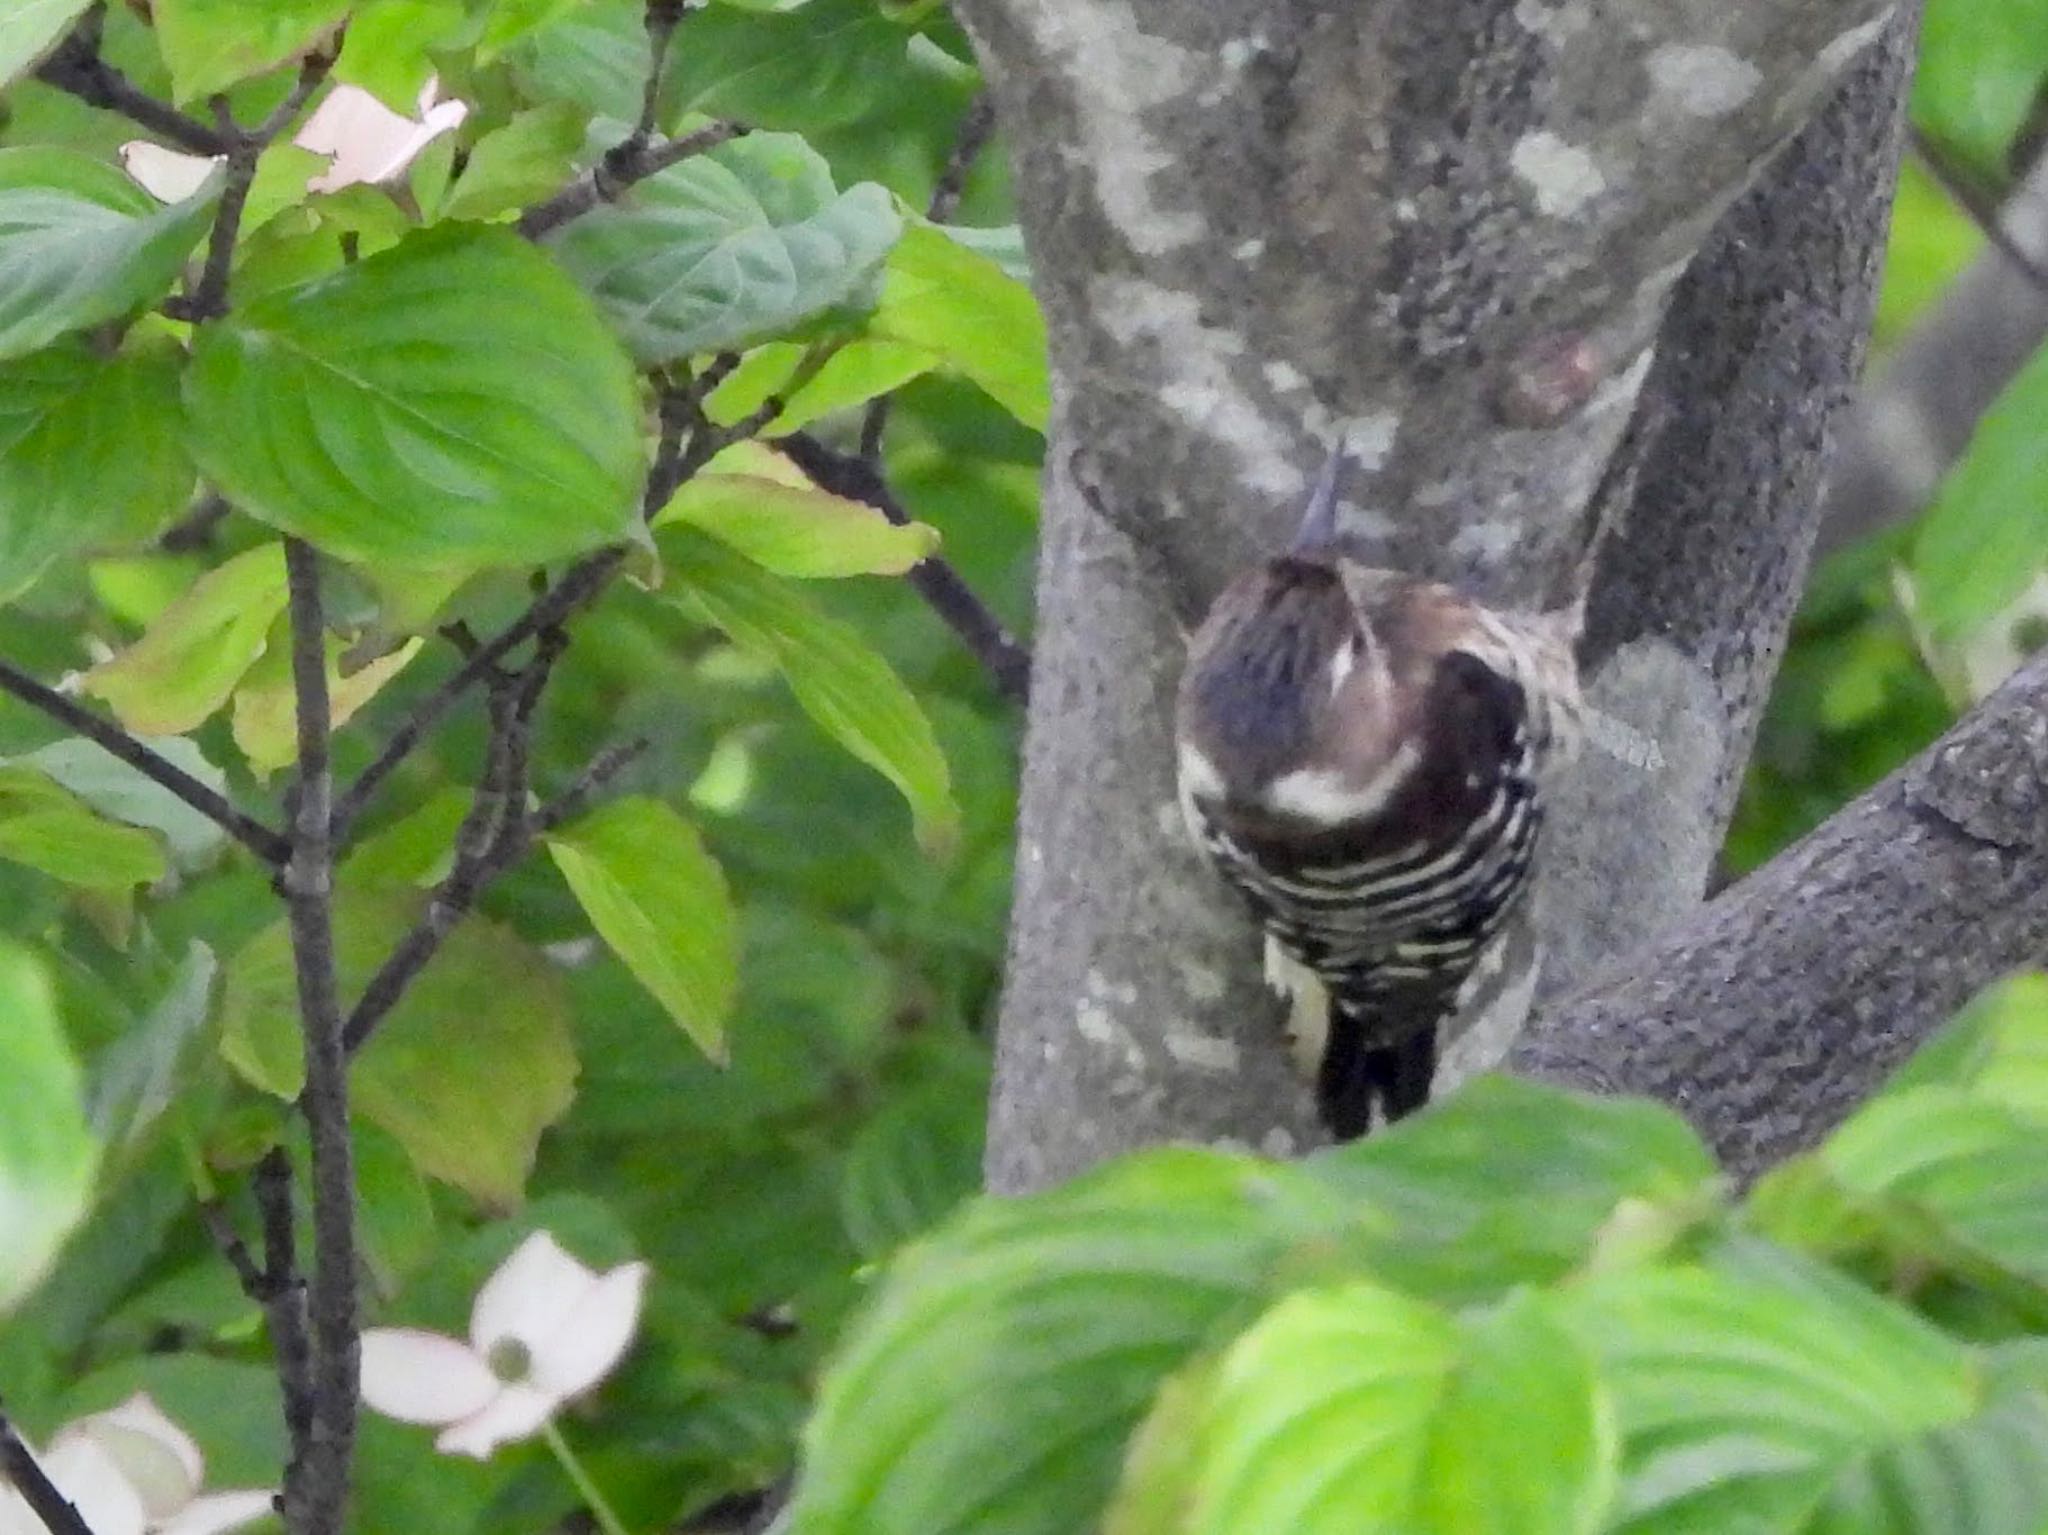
{"x": 510, "y": 1360}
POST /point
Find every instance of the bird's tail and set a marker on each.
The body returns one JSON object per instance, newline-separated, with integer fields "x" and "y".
{"x": 1364, "y": 1083}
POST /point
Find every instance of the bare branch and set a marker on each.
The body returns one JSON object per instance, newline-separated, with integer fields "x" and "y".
{"x": 575, "y": 799}
{"x": 621, "y": 169}
{"x": 943, "y": 588}
{"x": 1979, "y": 204}
{"x": 316, "y": 1484}
{"x": 1768, "y": 1016}
{"x": 259, "y": 839}
{"x": 76, "y": 68}
{"x": 19, "y": 1468}
{"x": 579, "y": 585}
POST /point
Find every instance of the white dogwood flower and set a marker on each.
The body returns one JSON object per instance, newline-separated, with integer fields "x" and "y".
{"x": 544, "y": 1329}
{"x": 132, "y": 1471}
{"x": 370, "y": 142}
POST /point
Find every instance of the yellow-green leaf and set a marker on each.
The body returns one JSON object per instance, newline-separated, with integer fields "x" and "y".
{"x": 46, "y": 1152}
{"x": 958, "y": 303}
{"x": 266, "y": 705}
{"x": 798, "y": 530}
{"x": 188, "y": 661}
{"x": 659, "y": 899}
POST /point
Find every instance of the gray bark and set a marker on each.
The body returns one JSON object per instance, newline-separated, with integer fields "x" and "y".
{"x": 1449, "y": 232}
{"x": 1772, "y": 1013}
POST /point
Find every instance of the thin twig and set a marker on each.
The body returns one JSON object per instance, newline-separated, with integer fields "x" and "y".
{"x": 1980, "y": 206}
{"x": 620, "y": 169}
{"x": 195, "y": 530}
{"x": 18, "y": 1467}
{"x": 578, "y": 585}
{"x": 266, "y": 844}
{"x": 976, "y": 124}
{"x": 943, "y": 588}
{"x": 209, "y": 299}
{"x": 575, "y": 799}
{"x": 663, "y": 16}
{"x": 316, "y": 1486}
{"x": 76, "y": 68}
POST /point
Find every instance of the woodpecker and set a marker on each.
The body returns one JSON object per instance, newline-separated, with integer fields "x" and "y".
{"x": 1360, "y": 755}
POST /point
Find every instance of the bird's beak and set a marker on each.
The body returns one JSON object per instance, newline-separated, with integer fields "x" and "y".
{"x": 1318, "y": 528}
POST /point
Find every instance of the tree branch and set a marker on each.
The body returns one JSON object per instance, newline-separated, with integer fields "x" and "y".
{"x": 275, "y": 1284}
{"x": 1775, "y": 1010}
{"x": 76, "y": 68}
{"x": 942, "y": 587}
{"x": 259, "y": 839}
{"x": 621, "y": 169}
{"x": 20, "y": 1470}
{"x": 316, "y": 1484}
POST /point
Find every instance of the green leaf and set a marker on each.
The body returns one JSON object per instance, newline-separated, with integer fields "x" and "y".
{"x": 122, "y": 793}
{"x": 1745, "y": 1390}
{"x": 1930, "y": 243}
{"x": 510, "y": 20}
{"x": 211, "y": 44}
{"x": 1984, "y": 540}
{"x": 189, "y": 660}
{"x": 1986, "y": 1475}
{"x": 139, "y": 1075}
{"x": 46, "y": 1152}
{"x": 817, "y": 66}
{"x": 1982, "y": 65}
{"x": 911, "y": 1165}
{"x": 1580, "y": 1168}
{"x": 473, "y": 1063}
{"x": 266, "y": 705}
{"x": 388, "y": 48}
{"x": 855, "y": 373}
{"x": 959, "y": 304}
{"x": 659, "y": 900}
{"x": 1996, "y": 1048}
{"x": 595, "y": 56}
{"x": 729, "y": 248}
{"x": 361, "y": 412}
{"x": 517, "y": 165}
{"x": 71, "y": 844}
{"x": 29, "y": 28}
{"x": 1358, "y": 1410}
{"x": 840, "y": 682}
{"x": 796, "y": 529}
{"x": 80, "y": 243}
{"x": 1005, "y": 1360}
{"x": 397, "y": 1209}
{"x": 91, "y": 451}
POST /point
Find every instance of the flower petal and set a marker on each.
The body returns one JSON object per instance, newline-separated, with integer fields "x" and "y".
{"x": 166, "y": 174}
{"x": 529, "y": 1296}
{"x": 423, "y": 1377}
{"x": 517, "y": 1413}
{"x": 217, "y": 1513}
{"x": 155, "y": 1456}
{"x": 80, "y": 1468}
{"x": 368, "y": 141}
{"x": 581, "y": 1351}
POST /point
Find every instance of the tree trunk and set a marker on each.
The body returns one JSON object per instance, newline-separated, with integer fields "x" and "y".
{"x": 1476, "y": 239}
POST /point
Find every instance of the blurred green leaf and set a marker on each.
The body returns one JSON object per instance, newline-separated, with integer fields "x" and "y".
{"x": 359, "y": 412}
{"x": 187, "y": 662}
{"x": 839, "y": 681}
{"x": 865, "y": 367}
{"x": 80, "y": 243}
{"x": 1996, "y": 1048}
{"x": 1982, "y": 65}
{"x": 659, "y": 900}
{"x": 389, "y": 46}
{"x": 471, "y": 1065}
{"x": 796, "y": 529}
{"x": 910, "y": 1165}
{"x": 1575, "y": 1161}
{"x": 1984, "y": 539}
{"x": 71, "y": 844}
{"x": 47, "y": 1154}
{"x": 1359, "y": 1410}
{"x": 729, "y": 248}
{"x": 211, "y": 44}
{"x": 1985, "y": 1475}
{"x": 1745, "y": 1390}
{"x": 91, "y": 451}
{"x": 29, "y": 28}
{"x": 814, "y": 66}
{"x": 139, "y": 1077}
{"x": 1930, "y": 242}
{"x": 123, "y": 793}
{"x": 958, "y": 303}
{"x": 999, "y": 1370}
